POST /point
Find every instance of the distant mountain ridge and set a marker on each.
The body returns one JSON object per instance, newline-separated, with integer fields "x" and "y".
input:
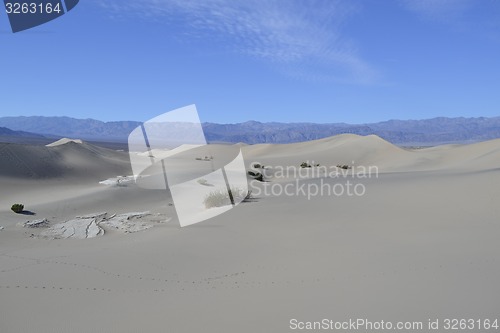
{"x": 70, "y": 127}
{"x": 8, "y": 132}
{"x": 414, "y": 132}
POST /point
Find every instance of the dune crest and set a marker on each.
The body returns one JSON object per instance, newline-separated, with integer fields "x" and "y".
{"x": 64, "y": 141}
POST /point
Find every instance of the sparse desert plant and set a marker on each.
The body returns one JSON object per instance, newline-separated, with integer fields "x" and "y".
{"x": 121, "y": 181}
{"x": 256, "y": 175}
{"x": 257, "y": 166}
{"x": 248, "y": 195}
{"x": 305, "y": 165}
{"x": 221, "y": 197}
{"x": 343, "y": 166}
{"x": 206, "y": 158}
{"x": 217, "y": 198}
{"x": 17, "y": 208}
{"x": 240, "y": 194}
{"x": 203, "y": 182}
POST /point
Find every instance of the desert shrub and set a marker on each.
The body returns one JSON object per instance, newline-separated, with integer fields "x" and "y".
{"x": 122, "y": 181}
{"x": 240, "y": 194}
{"x": 219, "y": 198}
{"x": 257, "y": 166}
{"x": 343, "y": 166}
{"x": 308, "y": 165}
{"x": 203, "y": 182}
{"x": 256, "y": 175}
{"x": 206, "y": 158}
{"x": 17, "y": 208}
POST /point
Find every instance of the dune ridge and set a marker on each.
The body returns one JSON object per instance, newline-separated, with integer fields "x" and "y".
{"x": 63, "y": 141}
{"x": 79, "y": 160}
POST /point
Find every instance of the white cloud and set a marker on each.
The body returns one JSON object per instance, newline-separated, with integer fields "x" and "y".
{"x": 439, "y": 10}
{"x": 302, "y": 38}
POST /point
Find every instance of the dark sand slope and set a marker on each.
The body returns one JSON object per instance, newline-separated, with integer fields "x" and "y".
{"x": 71, "y": 160}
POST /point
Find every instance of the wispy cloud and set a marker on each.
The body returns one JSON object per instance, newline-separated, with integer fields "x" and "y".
{"x": 438, "y": 10}
{"x": 301, "y": 38}
{"x": 478, "y": 19}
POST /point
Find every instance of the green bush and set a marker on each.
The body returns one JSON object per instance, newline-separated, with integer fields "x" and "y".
{"x": 17, "y": 208}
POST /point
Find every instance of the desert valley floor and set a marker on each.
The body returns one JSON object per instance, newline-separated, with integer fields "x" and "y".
{"x": 421, "y": 243}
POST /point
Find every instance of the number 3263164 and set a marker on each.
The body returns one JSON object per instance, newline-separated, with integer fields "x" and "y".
{"x": 470, "y": 324}
{"x": 32, "y": 8}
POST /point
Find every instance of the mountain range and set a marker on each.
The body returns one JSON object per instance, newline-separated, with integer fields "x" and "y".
{"x": 403, "y": 132}
{"x": 8, "y": 132}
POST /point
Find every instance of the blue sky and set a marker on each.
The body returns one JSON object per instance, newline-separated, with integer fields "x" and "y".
{"x": 289, "y": 60}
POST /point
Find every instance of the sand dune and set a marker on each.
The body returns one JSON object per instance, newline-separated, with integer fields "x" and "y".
{"x": 372, "y": 150}
{"x": 420, "y": 243}
{"x": 74, "y": 158}
{"x": 63, "y": 141}
{"x": 77, "y": 160}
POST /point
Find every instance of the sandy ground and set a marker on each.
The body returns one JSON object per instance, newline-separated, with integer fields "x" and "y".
{"x": 421, "y": 243}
